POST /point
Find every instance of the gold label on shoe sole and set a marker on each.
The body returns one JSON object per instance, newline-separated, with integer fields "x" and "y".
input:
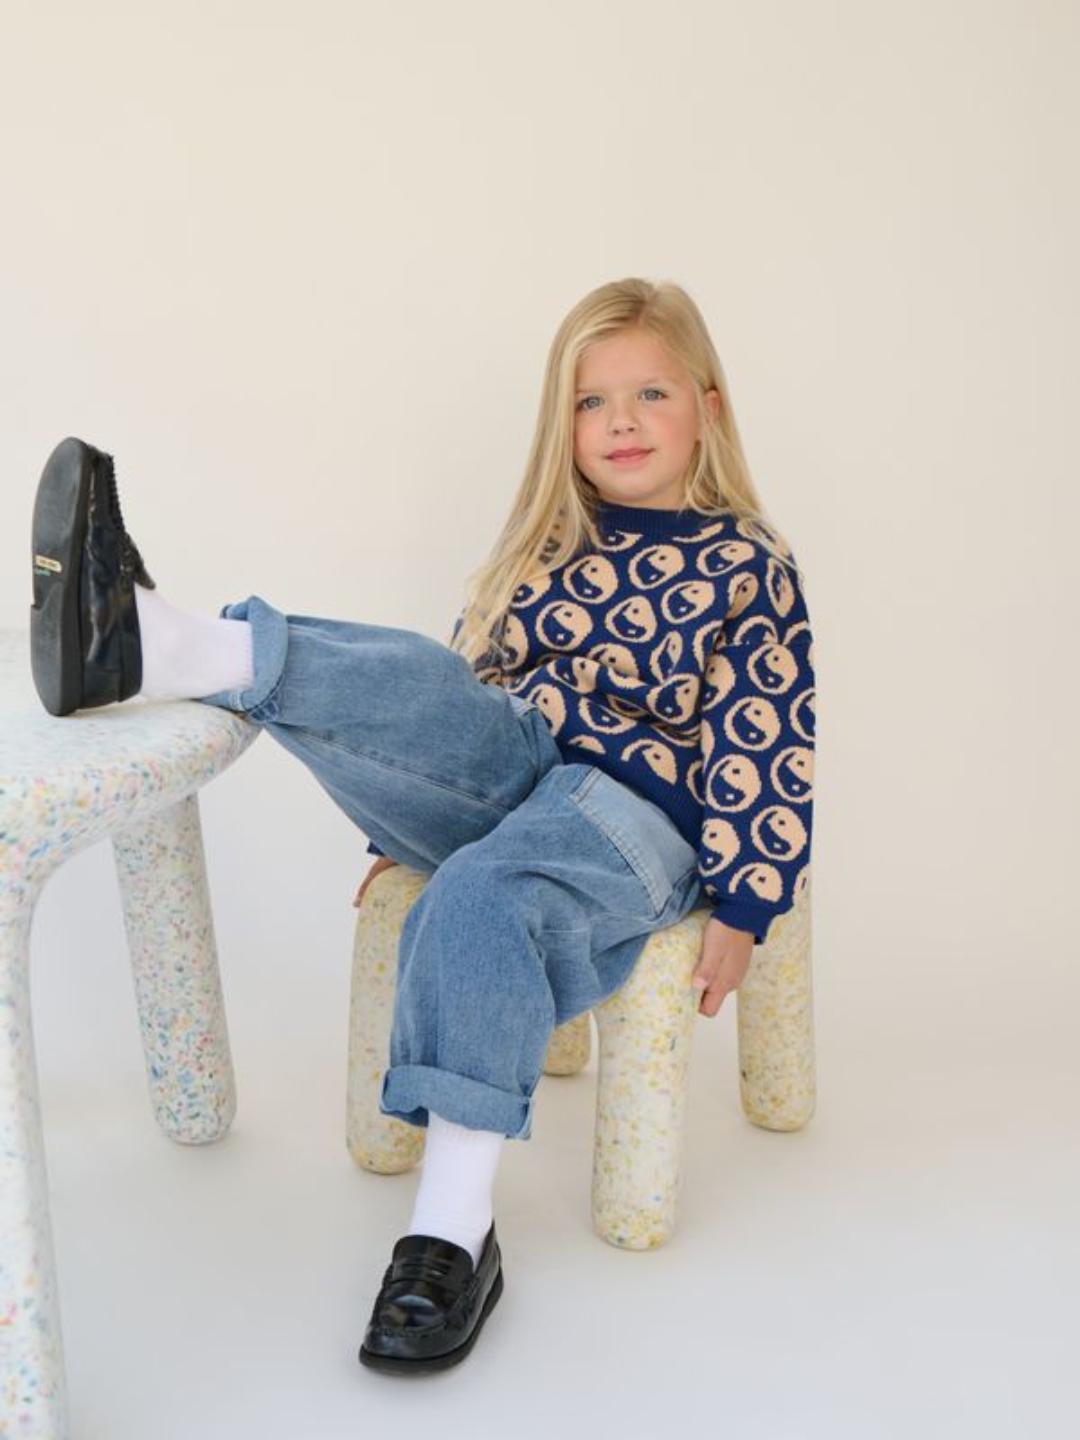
{"x": 47, "y": 563}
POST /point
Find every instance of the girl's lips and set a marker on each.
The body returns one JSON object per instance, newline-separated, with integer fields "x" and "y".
{"x": 629, "y": 457}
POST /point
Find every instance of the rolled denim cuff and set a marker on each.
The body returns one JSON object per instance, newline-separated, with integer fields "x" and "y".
{"x": 409, "y": 1090}
{"x": 269, "y": 642}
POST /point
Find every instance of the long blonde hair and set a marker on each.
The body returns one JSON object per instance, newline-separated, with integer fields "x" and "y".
{"x": 553, "y": 514}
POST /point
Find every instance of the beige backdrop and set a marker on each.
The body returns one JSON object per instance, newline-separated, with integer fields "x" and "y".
{"x": 298, "y": 267}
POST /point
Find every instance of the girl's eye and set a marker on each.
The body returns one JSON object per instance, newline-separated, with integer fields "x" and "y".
{"x": 649, "y": 390}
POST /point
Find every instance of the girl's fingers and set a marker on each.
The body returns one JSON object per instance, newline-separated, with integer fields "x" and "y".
{"x": 711, "y": 1001}
{"x": 705, "y": 974}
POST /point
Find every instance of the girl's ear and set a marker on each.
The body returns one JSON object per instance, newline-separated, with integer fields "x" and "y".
{"x": 712, "y": 403}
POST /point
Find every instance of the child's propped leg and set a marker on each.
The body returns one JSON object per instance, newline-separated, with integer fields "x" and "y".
{"x": 188, "y": 656}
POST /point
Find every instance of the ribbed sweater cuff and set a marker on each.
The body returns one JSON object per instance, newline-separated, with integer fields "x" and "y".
{"x": 746, "y": 915}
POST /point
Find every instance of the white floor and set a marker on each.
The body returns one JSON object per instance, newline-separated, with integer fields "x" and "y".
{"x": 906, "y": 1265}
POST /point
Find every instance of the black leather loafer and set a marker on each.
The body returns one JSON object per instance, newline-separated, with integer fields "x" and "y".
{"x": 84, "y": 626}
{"x": 432, "y": 1305}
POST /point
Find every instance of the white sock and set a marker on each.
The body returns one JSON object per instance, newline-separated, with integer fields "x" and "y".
{"x": 453, "y": 1201}
{"x": 188, "y": 656}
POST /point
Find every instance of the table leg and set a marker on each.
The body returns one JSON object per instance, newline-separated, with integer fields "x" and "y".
{"x": 33, "y": 1398}
{"x": 170, "y": 931}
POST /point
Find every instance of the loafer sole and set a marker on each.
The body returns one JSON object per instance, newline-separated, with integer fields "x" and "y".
{"x": 422, "y": 1365}
{"x": 58, "y": 537}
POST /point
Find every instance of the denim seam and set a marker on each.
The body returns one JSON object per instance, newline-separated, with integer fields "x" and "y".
{"x": 690, "y": 870}
{"x": 258, "y": 712}
{"x": 586, "y": 782}
{"x": 317, "y": 739}
{"x": 631, "y": 855}
{"x": 622, "y": 844}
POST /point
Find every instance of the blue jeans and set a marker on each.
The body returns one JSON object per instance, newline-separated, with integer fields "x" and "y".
{"x": 547, "y": 877}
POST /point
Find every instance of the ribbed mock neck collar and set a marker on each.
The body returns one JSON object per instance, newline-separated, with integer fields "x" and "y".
{"x": 642, "y": 520}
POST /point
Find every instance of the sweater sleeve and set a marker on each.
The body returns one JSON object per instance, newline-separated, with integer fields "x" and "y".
{"x": 757, "y": 749}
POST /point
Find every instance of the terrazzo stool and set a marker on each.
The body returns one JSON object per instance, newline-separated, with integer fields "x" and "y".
{"x": 644, "y": 1029}
{"x": 129, "y": 772}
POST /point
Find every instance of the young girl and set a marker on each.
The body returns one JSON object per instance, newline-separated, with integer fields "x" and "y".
{"x": 621, "y": 728}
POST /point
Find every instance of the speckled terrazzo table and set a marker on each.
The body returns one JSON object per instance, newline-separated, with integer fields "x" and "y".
{"x": 129, "y": 773}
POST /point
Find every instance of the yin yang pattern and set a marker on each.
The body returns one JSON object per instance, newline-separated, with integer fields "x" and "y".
{"x": 678, "y": 657}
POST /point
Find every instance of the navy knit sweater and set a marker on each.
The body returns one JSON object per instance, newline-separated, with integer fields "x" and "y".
{"x": 678, "y": 657}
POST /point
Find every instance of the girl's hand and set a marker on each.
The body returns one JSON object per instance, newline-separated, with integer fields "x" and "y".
{"x": 725, "y": 958}
{"x": 382, "y": 862}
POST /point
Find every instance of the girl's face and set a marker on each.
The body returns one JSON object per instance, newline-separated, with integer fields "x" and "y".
{"x": 634, "y": 396}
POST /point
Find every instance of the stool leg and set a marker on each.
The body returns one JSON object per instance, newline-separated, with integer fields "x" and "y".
{"x": 776, "y": 1025}
{"x": 170, "y": 930}
{"x": 645, "y": 1031}
{"x": 32, "y": 1389}
{"x": 377, "y": 1142}
{"x": 569, "y": 1047}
